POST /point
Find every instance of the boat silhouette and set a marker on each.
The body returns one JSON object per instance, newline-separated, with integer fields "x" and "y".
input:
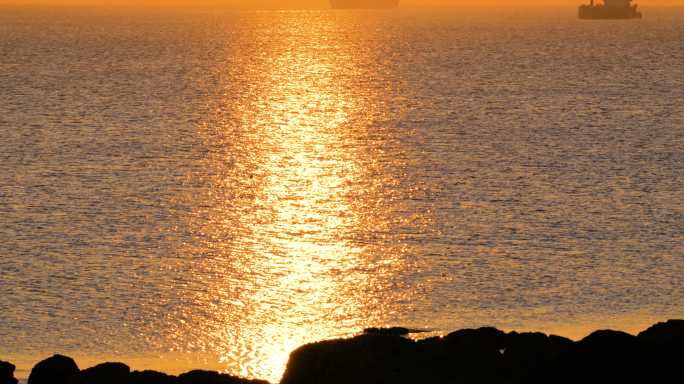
{"x": 610, "y": 9}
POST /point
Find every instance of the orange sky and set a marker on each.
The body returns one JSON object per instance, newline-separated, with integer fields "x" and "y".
{"x": 322, "y": 3}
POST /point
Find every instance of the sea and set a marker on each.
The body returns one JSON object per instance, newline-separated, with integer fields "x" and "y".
{"x": 206, "y": 188}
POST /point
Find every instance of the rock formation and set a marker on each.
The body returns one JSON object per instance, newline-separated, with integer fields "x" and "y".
{"x": 57, "y": 369}
{"x": 105, "y": 373}
{"x": 469, "y": 356}
{"x": 7, "y": 373}
{"x": 488, "y": 355}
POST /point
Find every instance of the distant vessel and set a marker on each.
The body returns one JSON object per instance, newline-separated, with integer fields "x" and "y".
{"x": 610, "y": 9}
{"x": 367, "y": 4}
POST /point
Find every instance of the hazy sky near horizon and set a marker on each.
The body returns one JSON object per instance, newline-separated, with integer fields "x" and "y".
{"x": 320, "y": 3}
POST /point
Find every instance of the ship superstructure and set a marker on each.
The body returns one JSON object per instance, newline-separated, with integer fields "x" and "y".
{"x": 364, "y": 4}
{"x": 610, "y": 9}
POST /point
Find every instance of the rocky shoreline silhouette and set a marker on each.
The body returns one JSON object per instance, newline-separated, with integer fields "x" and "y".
{"x": 484, "y": 355}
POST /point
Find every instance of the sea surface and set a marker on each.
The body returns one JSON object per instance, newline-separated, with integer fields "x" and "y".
{"x": 207, "y": 188}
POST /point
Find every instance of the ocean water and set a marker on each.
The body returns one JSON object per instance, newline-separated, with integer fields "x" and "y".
{"x": 206, "y": 188}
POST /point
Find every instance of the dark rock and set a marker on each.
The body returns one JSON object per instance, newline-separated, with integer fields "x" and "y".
{"x": 7, "y": 373}
{"x": 525, "y": 354}
{"x": 669, "y": 332}
{"x": 482, "y": 338}
{"x": 150, "y": 377}
{"x": 363, "y": 359}
{"x": 662, "y": 346}
{"x": 604, "y": 356}
{"x": 210, "y": 377}
{"x": 485, "y": 355}
{"x": 57, "y": 369}
{"x": 105, "y": 373}
{"x": 607, "y": 340}
{"x": 385, "y": 356}
{"x": 394, "y": 331}
{"x": 473, "y": 355}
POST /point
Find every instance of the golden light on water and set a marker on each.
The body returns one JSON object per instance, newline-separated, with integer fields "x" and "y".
{"x": 212, "y": 189}
{"x": 323, "y": 210}
{"x": 287, "y": 211}
{"x": 305, "y": 177}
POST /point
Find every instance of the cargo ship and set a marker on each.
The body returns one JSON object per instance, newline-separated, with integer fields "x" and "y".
{"x": 364, "y": 4}
{"x": 610, "y": 9}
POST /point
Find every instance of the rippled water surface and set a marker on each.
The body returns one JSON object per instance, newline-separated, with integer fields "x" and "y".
{"x": 212, "y": 189}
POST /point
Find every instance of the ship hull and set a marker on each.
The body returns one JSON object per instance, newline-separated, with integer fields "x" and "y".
{"x": 588, "y": 12}
{"x": 364, "y": 4}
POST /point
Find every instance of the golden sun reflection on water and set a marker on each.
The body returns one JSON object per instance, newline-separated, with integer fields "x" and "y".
{"x": 337, "y": 196}
{"x": 211, "y": 190}
{"x": 287, "y": 211}
{"x": 305, "y": 178}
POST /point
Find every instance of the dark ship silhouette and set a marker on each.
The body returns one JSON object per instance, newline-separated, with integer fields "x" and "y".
{"x": 368, "y": 4}
{"x": 610, "y": 9}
